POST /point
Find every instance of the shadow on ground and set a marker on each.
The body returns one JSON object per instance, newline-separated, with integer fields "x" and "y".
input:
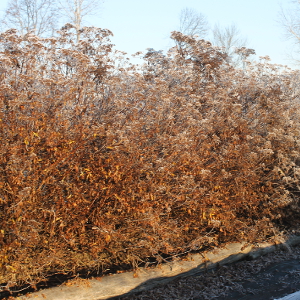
{"x": 275, "y": 281}
{"x": 269, "y": 277}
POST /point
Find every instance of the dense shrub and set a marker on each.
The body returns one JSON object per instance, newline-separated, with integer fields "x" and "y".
{"x": 107, "y": 163}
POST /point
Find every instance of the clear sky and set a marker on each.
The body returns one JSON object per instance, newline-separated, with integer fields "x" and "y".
{"x": 141, "y": 24}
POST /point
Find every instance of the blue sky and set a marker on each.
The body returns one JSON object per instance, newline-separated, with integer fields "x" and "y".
{"x": 139, "y": 24}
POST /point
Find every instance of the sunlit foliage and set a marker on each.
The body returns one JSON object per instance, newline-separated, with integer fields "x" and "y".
{"x": 103, "y": 162}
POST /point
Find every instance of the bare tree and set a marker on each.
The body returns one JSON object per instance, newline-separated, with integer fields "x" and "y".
{"x": 229, "y": 39}
{"x": 36, "y": 16}
{"x": 289, "y": 19}
{"x": 75, "y": 10}
{"x": 193, "y": 23}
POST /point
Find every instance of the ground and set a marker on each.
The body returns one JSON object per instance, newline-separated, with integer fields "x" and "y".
{"x": 265, "y": 278}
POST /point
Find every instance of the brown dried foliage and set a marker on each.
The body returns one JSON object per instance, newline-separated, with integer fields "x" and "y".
{"x": 107, "y": 163}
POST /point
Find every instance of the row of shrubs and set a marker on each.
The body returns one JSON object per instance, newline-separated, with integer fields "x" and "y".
{"x": 105, "y": 163}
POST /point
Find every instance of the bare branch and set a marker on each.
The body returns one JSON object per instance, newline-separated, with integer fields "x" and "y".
{"x": 36, "y": 16}
{"x": 193, "y": 23}
{"x": 229, "y": 39}
{"x": 290, "y": 21}
{"x": 75, "y": 10}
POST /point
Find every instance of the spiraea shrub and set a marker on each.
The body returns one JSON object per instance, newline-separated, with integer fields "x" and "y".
{"x": 105, "y": 163}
